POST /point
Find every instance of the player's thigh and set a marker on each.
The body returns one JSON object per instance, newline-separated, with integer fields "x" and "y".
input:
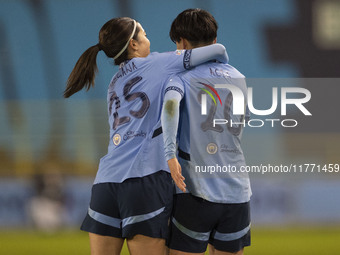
{"x": 144, "y": 245}
{"x": 191, "y": 224}
{"x": 232, "y": 233}
{"x": 105, "y": 245}
{"x": 146, "y": 205}
{"x": 176, "y": 252}
{"x": 213, "y": 251}
{"x": 103, "y": 217}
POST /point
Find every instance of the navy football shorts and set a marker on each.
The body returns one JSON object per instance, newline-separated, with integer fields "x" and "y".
{"x": 197, "y": 222}
{"x": 136, "y": 206}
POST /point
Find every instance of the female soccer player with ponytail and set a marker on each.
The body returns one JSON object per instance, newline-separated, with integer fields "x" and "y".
{"x": 132, "y": 192}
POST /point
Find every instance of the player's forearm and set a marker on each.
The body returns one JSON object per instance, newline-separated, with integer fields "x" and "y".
{"x": 170, "y": 119}
{"x": 211, "y": 52}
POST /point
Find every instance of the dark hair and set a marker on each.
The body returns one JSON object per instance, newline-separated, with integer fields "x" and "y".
{"x": 113, "y": 36}
{"x": 196, "y": 25}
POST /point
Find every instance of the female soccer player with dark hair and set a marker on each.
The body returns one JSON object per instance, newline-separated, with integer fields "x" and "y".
{"x": 132, "y": 192}
{"x": 210, "y": 207}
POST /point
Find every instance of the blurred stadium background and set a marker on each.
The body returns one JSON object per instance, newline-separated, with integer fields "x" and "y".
{"x": 50, "y": 147}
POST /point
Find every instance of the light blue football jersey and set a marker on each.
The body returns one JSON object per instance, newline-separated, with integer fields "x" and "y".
{"x": 209, "y": 133}
{"x": 134, "y": 99}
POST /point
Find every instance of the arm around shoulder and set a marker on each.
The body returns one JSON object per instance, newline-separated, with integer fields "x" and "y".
{"x": 204, "y": 54}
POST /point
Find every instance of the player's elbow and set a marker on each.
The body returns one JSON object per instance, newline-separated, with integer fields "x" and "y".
{"x": 220, "y": 49}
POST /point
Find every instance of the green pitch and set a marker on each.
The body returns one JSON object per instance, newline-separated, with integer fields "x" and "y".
{"x": 264, "y": 241}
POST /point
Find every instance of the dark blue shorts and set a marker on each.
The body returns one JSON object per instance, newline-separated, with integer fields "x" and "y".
{"x": 136, "y": 206}
{"x": 197, "y": 222}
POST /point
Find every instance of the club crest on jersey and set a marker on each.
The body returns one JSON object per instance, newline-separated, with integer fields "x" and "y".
{"x": 211, "y": 148}
{"x": 117, "y": 139}
{"x": 179, "y": 52}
